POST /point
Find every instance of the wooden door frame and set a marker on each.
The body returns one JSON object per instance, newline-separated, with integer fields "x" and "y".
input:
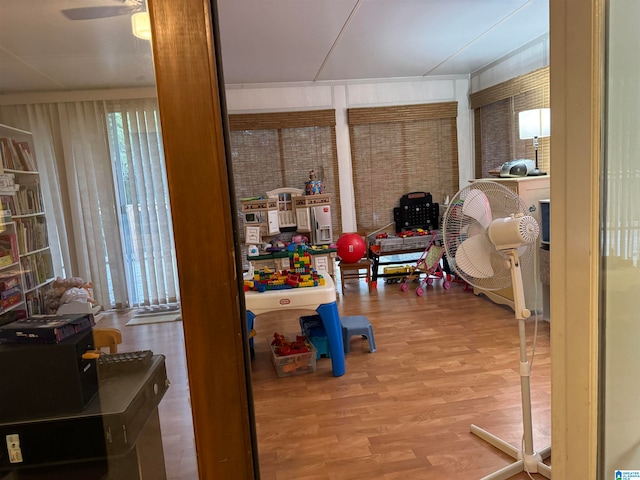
{"x": 193, "y": 115}
{"x": 577, "y": 72}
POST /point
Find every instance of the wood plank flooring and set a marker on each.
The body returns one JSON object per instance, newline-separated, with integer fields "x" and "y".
{"x": 443, "y": 361}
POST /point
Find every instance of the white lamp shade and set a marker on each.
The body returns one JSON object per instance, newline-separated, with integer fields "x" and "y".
{"x": 141, "y": 25}
{"x": 535, "y": 123}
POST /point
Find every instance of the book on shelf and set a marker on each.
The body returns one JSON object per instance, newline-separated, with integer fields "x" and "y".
{"x": 10, "y": 296}
{"x": 9, "y": 154}
{"x": 9, "y": 282}
{"x": 11, "y": 300}
{"x": 7, "y": 184}
{"x": 8, "y": 205}
{"x": 10, "y": 292}
{"x": 37, "y": 269}
{"x": 28, "y": 273}
{"x": 16, "y": 155}
{"x": 8, "y": 249}
{"x": 5, "y": 260}
{"x": 36, "y": 303}
{"x": 23, "y": 150}
{"x": 28, "y": 199}
{"x": 32, "y": 234}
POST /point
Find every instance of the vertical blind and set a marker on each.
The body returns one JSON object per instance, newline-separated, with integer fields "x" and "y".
{"x": 401, "y": 149}
{"x": 496, "y": 110}
{"x": 146, "y": 228}
{"x": 275, "y": 150}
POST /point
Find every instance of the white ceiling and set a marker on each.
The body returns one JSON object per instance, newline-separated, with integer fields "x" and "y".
{"x": 269, "y": 41}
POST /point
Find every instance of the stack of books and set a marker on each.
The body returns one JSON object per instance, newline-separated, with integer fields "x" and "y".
{"x": 47, "y": 329}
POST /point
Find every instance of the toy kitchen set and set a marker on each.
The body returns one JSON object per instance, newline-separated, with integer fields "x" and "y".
{"x": 289, "y": 215}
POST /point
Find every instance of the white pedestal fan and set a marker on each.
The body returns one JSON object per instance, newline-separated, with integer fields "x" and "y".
{"x": 488, "y": 239}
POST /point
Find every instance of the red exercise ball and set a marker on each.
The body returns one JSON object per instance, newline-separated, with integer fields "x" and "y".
{"x": 351, "y": 247}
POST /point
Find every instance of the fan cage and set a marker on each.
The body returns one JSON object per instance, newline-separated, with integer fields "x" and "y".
{"x": 458, "y": 227}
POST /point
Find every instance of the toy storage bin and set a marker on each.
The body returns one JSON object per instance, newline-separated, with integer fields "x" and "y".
{"x": 289, "y": 365}
{"x": 391, "y": 244}
{"x": 419, "y": 241}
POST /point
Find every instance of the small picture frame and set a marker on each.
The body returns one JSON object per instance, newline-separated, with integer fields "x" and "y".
{"x": 251, "y": 234}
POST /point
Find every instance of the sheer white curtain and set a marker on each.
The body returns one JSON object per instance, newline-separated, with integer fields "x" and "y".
{"x": 84, "y": 186}
{"x": 141, "y": 180}
{"x": 86, "y": 168}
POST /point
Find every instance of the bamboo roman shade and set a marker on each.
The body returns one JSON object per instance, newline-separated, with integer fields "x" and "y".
{"x": 401, "y": 149}
{"x": 496, "y": 111}
{"x": 275, "y": 150}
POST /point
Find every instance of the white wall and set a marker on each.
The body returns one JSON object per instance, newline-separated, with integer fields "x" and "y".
{"x": 352, "y": 94}
{"x": 527, "y": 58}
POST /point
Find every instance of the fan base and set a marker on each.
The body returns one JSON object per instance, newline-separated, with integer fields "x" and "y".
{"x": 524, "y": 463}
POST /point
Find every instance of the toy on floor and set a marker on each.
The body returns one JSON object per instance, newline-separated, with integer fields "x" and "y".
{"x": 396, "y": 274}
{"x": 68, "y": 290}
{"x": 429, "y": 264}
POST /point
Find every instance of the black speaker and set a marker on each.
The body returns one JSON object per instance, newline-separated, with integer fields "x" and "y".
{"x": 43, "y": 380}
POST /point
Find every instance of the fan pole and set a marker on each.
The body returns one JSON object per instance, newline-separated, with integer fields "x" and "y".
{"x": 527, "y": 460}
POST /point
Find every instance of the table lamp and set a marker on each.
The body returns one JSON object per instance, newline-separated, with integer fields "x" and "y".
{"x": 535, "y": 124}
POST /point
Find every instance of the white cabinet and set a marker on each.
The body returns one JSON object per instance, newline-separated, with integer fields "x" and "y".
{"x": 273, "y": 222}
{"x": 303, "y": 216}
{"x": 531, "y": 190}
{"x": 322, "y": 263}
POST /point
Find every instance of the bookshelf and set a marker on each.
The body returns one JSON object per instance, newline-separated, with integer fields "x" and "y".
{"x": 24, "y": 236}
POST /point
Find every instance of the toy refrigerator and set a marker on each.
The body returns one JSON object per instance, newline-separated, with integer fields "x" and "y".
{"x": 321, "y": 231}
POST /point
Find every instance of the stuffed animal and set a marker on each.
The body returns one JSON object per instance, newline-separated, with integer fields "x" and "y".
{"x": 68, "y": 290}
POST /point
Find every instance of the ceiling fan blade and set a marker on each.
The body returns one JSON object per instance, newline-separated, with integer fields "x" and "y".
{"x": 473, "y": 257}
{"x": 90, "y": 13}
{"x": 476, "y": 205}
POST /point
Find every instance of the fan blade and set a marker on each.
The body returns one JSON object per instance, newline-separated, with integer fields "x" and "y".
{"x": 90, "y": 13}
{"x": 473, "y": 257}
{"x": 476, "y": 205}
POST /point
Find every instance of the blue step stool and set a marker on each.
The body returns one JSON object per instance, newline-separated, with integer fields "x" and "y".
{"x": 357, "y": 325}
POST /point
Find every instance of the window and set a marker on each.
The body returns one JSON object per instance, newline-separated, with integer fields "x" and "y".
{"x": 143, "y": 204}
{"x": 278, "y": 150}
{"x": 398, "y": 150}
{"x": 496, "y": 122}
